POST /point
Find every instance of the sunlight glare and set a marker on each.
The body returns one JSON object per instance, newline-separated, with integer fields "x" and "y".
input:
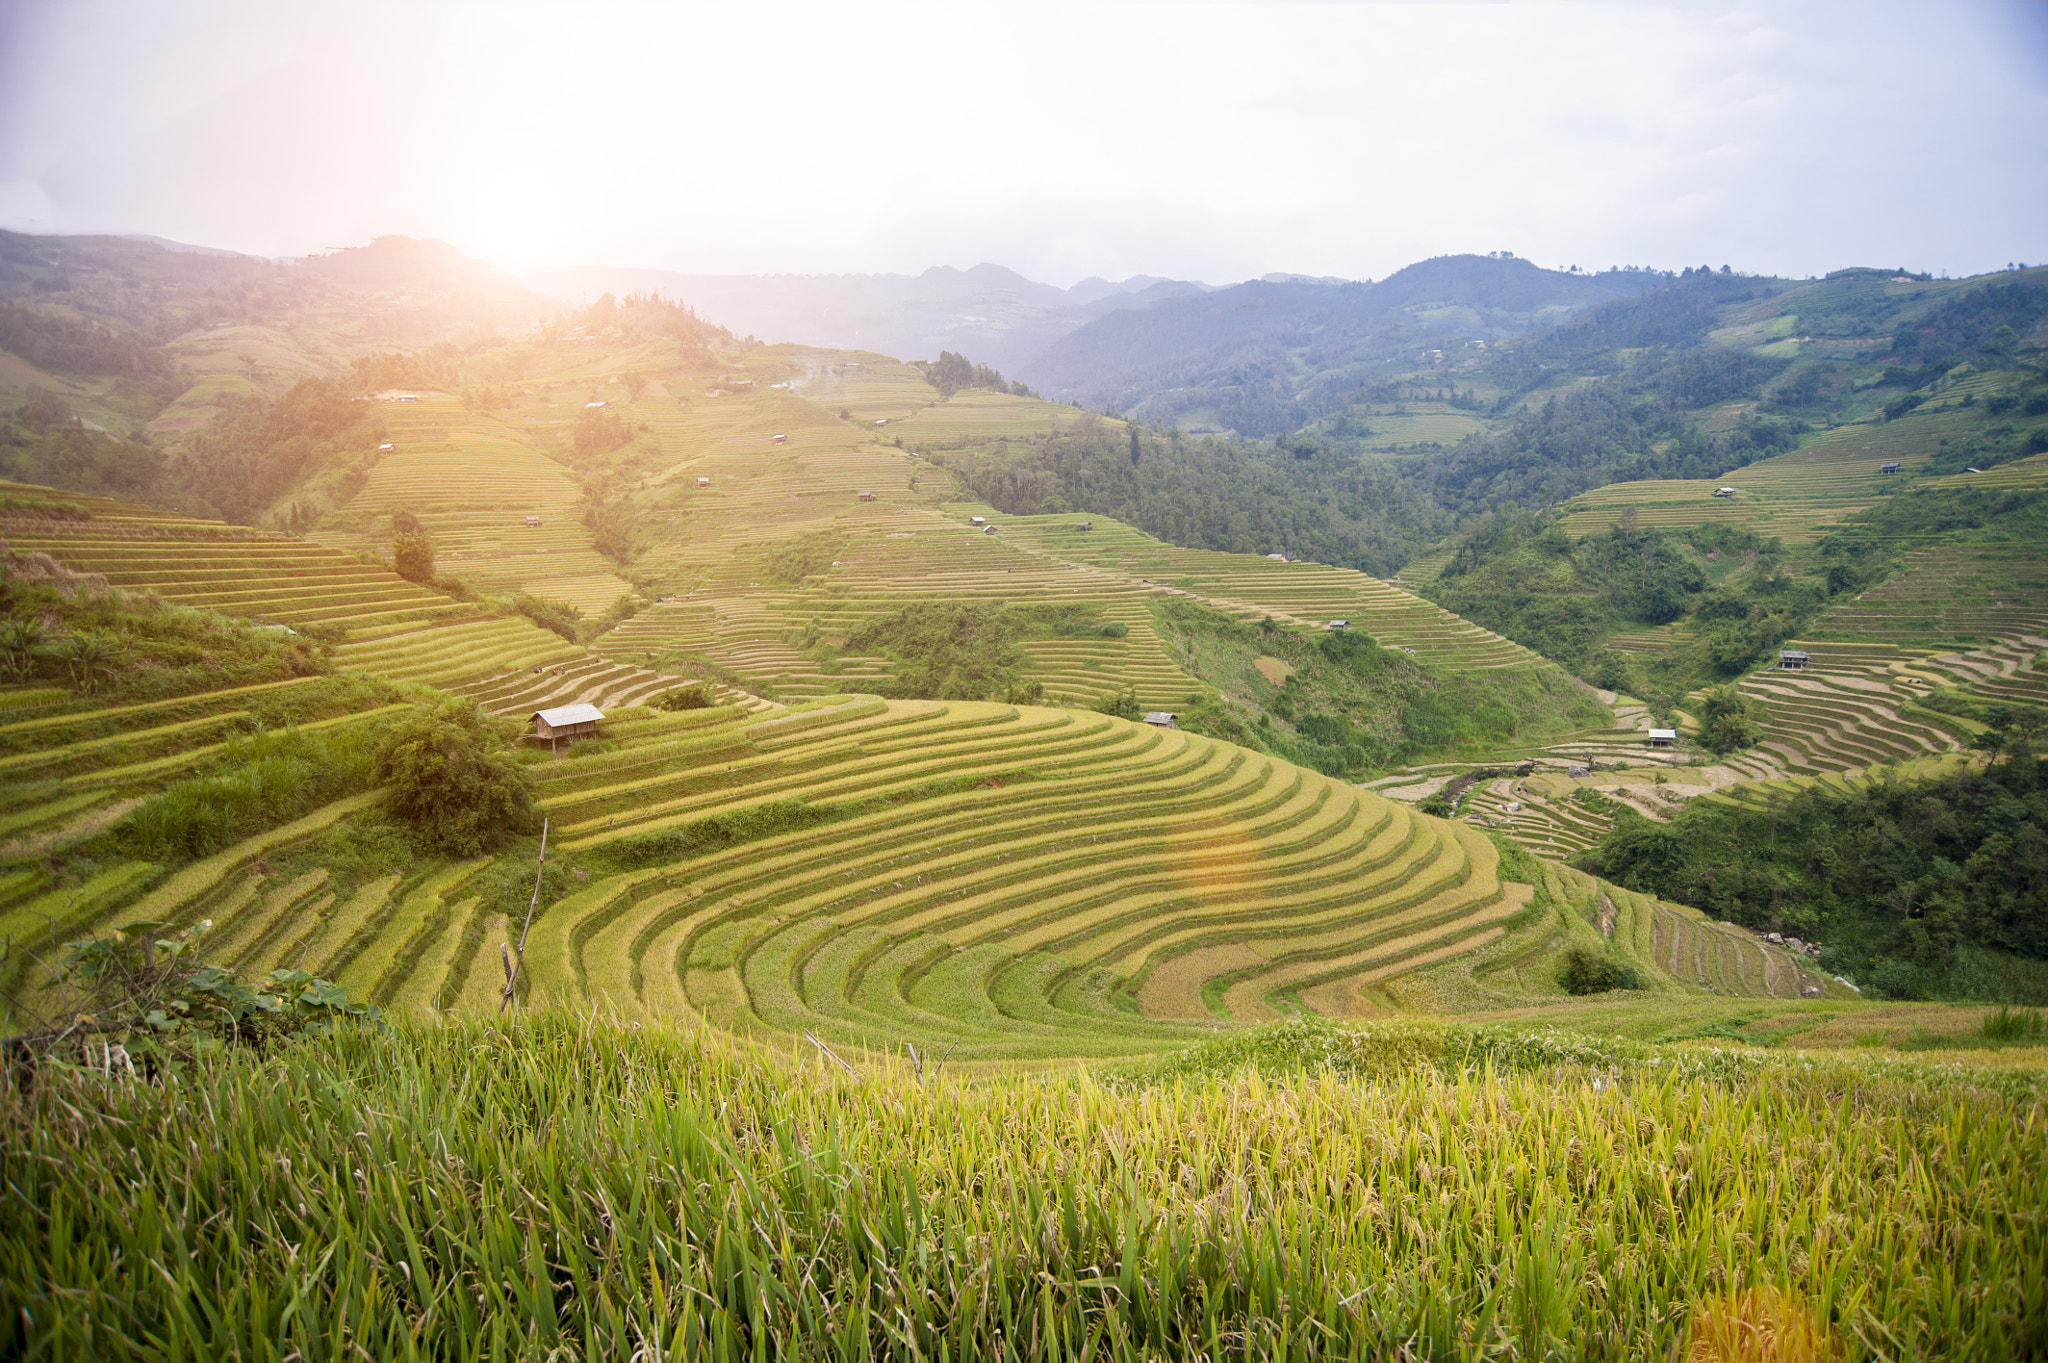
{"x": 518, "y": 217}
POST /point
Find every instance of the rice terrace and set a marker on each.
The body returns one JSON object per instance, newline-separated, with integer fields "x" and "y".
{"x": 547, "y": 811}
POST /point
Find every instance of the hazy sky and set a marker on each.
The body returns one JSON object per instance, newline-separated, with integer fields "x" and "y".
{"x": 1210, "y": 141}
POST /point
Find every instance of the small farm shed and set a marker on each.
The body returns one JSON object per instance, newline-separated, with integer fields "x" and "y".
{"x": 566, "y": 721}
{"x": 703, "y": 482}
{"x": 1888, "y": 468}
{"x": 1724, "y": 492}
{"x": 533, "y": 522}
{"x": 988, "y": 530}
{"x": 864, "y": 496}
{"x": 780, "y": 439}
{"x": 977, "y": 520}
{"x": 881, "y": 421}
{"x": 1338, "y": 624}
{"x": 1161, "y": 718}
{"x": 1084, "y": 525}
{"x": 1793, "y": 659}
{"x": 1663, "y": 738}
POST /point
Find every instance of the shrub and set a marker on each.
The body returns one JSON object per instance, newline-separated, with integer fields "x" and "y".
{"x": 455, "y": 778}
{"x": 1725, "y": 722}
{"x": 1587, "y": 971}
{"x": 691, "y": 697}
{"x": 272, "y": 778}
{"x": 2012, "y": 1024}
{"x": 412, "y": 557}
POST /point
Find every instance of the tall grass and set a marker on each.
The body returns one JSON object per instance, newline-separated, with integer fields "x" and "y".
{"x": 268, "y": 779}
{"x": 562, "y": 1188}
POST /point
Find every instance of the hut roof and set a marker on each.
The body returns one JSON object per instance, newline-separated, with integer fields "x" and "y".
{"x": 563, "y": 715}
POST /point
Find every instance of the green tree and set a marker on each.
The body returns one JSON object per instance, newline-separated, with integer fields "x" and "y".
{"x": 412, "y": 555}
{"x": 1725, "y": 722}
{"x": 455, "y": 778}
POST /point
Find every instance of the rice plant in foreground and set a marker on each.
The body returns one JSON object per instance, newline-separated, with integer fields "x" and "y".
{"x": 554, "y": 1187}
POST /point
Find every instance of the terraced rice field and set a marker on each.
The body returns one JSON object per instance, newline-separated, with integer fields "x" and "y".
{"x": 69, "y": 773}
{"x": 1796, "y": 496}
{"x": 1247, "y": 584}
{"x": 237, "y": 572}
{"x": 473, "y": 481}
{"x": 1010, "y": 881}
{"x": 1950, "y": 593}
{"x": 1856, "y": 706}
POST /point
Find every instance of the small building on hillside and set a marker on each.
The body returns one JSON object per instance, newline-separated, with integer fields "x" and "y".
{"x": 1892, "y": 467}
{"x": 1793, "y": 659}
{"x": 864, "y": 496}
{"x": 1663, "y": 738}
{"x": 1724, "y": 492}
{"x": 1161, "y": 718}
{"x": 566, "y": 721}
{"x": 1084, "y": 525}
{"x": 988, "y": 530}
{"x": 977, "y": 520}
{"x": 703, "y": 482}
{"x": 533, "y": 522}
{"x": 881, "y": 421}
{"x": 1338, "y": 624}
{"x": 780, "y": 439}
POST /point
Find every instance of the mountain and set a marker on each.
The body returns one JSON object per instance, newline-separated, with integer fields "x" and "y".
{"x": 992, "y": 314}
{"x": 1269, "y": 356}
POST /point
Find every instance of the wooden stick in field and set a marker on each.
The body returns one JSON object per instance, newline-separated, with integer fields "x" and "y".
{"x": 513, "y": 960}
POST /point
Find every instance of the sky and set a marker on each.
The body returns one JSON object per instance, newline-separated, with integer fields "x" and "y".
{"x": 1213, "y": 141}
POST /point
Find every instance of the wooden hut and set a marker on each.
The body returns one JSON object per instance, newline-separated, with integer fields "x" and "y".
{"x": 1792, "y": 660}
{"x": 1161, "y": 718}
{"x": 1663, "y": 738}
{"x": 566, "y": 721}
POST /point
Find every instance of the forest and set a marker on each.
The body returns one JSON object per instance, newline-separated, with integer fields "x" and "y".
{"x": 1931, "y": 889}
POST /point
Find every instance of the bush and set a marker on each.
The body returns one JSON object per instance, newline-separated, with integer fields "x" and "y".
{"x": 1725, "y": 722}
{"x": 272, "y": 779}
{"x": 1586, "y": 971}
{"x": 412, "y": 557}
{"x": 691, "y": 697}
{"x": 455, "y": 778}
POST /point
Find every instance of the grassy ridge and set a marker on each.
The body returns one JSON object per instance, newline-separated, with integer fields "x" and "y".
{"x": 507, "y": 1191}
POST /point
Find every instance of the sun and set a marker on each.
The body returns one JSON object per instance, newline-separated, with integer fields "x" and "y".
{"x": 517, "y": 217}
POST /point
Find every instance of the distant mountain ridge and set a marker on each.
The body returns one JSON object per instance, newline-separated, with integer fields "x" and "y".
{"x": 990, "y": 313}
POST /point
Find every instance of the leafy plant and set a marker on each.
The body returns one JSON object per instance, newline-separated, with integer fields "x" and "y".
{"x": 92, "y": 658}
{"x": 21, "y": 645}
{"x": 455, "y": 778}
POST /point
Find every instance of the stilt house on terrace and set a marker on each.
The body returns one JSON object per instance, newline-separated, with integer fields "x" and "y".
{"x": 566, "y": 721}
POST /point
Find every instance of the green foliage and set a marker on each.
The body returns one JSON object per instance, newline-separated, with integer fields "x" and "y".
{"x": 558, "y": 617}
{"x": 70, "y": 626}
{"x": 951, "y": 372}
{"x": 598, "y": 430}
{"x": 1352, "y": 706}
{"x": 692, "y": 697}
{"x": 801, "y": 556}
{"x": 2006, "y": 1023}
{"x": 266, "y": 780}
{"x": 1123, "y": 704}
{"x": 412, "y": 557}
{"x": 1586, "y": 970}
{"x": 454, "y": 777}
{"x": 1916, "y": 889}
{"x": 1727, "y": 723}
{"x": 947, "y": 651}
{"x": 43, "y": 442}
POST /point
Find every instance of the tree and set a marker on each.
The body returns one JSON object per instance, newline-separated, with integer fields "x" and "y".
{"x": 454, "y": 777}
{"x": 412, "y": 555}
{"x": 1725, "y": 722}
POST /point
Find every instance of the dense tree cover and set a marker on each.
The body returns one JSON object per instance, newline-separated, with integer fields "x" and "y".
{"x": 1989, "y": 321}
{"x": 1637, "y": 424}
{"x": 1916, "y": 889}
{"x": 1522, "y": 576}
{"x": 1668, "y": 312}
{"x": 43, "y": 442}
{"x": 953, "y": 371}
{"x": 65, "y": 345}
{"x": 1306, "y": 502}
{"x": 454, "y": 777}
{"x": 950, "y": 651}
{"x": 1348, "y": 706}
